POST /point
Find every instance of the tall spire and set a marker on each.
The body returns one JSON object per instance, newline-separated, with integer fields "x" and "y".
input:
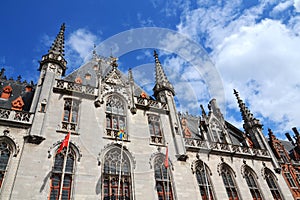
{"x": 56, "y": 51}
{"x": 249, "y": 120}
{"x": 161, "y": 81}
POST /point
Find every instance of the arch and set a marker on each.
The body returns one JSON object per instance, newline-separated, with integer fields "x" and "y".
{"x": 229, "y": 182}
{"x": 62, "y": 175}
{"x": 203, "y": 173}
{"x": 117, "y": 173}
{"x": 271, "y": 180}
{"x": 159, "y": 154}
{"x": 116, "y": 116}
{"x": 52, "y": 150}
{"x": 163, "y": 178}
{"x": 10, "y": 140}
{"x": 250, "y": 176}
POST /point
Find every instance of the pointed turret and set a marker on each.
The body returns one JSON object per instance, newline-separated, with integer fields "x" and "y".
{"x": 56, "y": 52}
{"x": 251, "y": 125}
{"x": 161, "y": 81}
{"x": 249, "y": 120}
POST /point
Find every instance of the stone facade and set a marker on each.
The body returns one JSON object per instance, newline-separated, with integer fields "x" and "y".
{"x": 163, "y": 154}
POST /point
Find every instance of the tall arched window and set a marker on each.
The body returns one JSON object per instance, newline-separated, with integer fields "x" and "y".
{"x": 156, "y": 136}
{"x": 252, "y": 184}
{"x": 116, "y": 176}
{"x": 115, "y": 116}
{"x": 272, "y": 183}
{"x": 61, "y": 173}
{"x": 204, "y": 182}
{"x": 5, "y": 153}
{"x": 163, "y": 177}
{"x": 229, "y": 182}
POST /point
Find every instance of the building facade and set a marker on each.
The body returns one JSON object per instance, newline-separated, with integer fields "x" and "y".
{"x": 95, "y": 134}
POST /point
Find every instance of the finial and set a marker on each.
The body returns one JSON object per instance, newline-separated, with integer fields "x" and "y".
{"x": 114, "y": 63}
{"x": 94, "y": 52}
{"x": 156, "y": 56}
{"x": 130, "y": 76}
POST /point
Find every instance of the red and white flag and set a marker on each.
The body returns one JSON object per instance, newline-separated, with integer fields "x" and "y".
{"x": 166, "y": 163}
{"x": 64, "y": 143}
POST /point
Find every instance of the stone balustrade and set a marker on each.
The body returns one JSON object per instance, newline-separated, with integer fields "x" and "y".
{"x": 15, "y": 116}
{"x": 150, "y": 104}
{"x": 197, "y": 144}
{"x": 74, "y": 87}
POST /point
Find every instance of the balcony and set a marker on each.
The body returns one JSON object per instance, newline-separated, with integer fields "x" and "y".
{"x": 222, "y": 148}
{"x": 17, "y": 117}
{"x": 62, "y": 86}
{"x": 147, "y": 104}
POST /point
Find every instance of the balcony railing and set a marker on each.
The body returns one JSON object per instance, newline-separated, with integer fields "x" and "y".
{"x": 192, "y": 143}
{"x": 16, "y": 116}
{"x": 150, "y": 104}
{"x": 74, "y": 87}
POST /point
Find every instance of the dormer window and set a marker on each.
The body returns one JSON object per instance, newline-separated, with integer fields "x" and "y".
{"x": 78, "y": 80}
{"x": 17, "y": 104}
{"x": 87, "y": 76}
{"x": 7, "y": 90}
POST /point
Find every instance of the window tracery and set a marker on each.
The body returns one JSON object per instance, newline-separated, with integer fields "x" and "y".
{"x": 229, "y": 182}
{"x": 114, "y": 169}
{"x": 5, "y": 154}
{"x": 272, "y": 183}
{"x": 204, "y": 182}
{"x": 115, "y": 116}
{"x": 163, "y": 177}
{"x": 217, "y": 132}
{"x": 252, "y": 184}
{"x": 62, "y": 173}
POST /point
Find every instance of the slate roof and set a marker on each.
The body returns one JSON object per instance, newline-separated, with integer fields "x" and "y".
{"x": 18, "y": 89}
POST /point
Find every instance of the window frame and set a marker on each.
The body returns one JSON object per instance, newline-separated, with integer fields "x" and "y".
{"x": 7, "y": 163}
{"x": 252, "y": 184}
{"x": 70, "y": 116}
{"x": 110, "y": 175}
{"x": 272, "y": 184}
{"x": 205, "y": 186}
{"x": 229, "y": 182}
{"x": 155, "y": 129}
{"x": 57, "y": 173}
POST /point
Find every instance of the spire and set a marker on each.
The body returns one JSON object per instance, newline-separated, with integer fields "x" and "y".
{"x": 56, "y": 51}
{"x": 161, "y": 81}
{"x": 131, "y": 82}
{"x": 249, "y": 120}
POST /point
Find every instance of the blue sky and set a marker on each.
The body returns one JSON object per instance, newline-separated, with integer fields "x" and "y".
{"x": 253, "y": 45}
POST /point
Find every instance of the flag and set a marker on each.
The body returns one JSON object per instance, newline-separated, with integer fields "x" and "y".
{"x": 166, "y": 163}
{"x": 64, "y": 143}
{"x": 121, "y": 133}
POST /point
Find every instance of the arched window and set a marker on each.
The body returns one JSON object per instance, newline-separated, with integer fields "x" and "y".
{"x": 163, "y": 177}
{"x": 5, "y": 153}
{"x": 272, "y": 183}
{"x": 116, "y": 176}
{"x": 252, "y": 184}
{"x": 70, "y": 116}
{"x": 229, "y": 182}
{"x": 115, "y": 116}
{"x": 62, "y": 171}
{"x": 204, "y": 182}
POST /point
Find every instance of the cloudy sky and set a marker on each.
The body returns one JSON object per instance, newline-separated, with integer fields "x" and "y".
{"x": 252, "y": 46}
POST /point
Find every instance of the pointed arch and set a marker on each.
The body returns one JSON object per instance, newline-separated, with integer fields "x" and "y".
{"x": 116, "y": 113}
{"x": 8, "y": 148}
{"x": 62, "y": 175}
{"x": 52, "y": 150}
{"x": 163, "y": 178}
{"x": 271, "y": 179}
{"x": 228, "y": 175}
{"x": 10, "y": 140}
{"x": 217, "y": 131}
{"x": 203, "y": 174}
{"x": 251, "y": 180}
{"x": 117, "y": 173}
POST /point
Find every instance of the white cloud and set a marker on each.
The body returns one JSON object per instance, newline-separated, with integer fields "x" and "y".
{"x": 297, "y": 5}
{"x": 256, "y": 55}
{"x": 80, "y": 46}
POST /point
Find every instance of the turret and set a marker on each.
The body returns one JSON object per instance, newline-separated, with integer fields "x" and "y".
{"x": 55, "y": 54}
{"x": 52, "y": 67}
{"x": 164, "y": 92}
{"x": 161, "y": 81}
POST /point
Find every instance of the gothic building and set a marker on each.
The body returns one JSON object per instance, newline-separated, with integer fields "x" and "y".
{"x": 288, "y": 156}
{"x": 95, "y": 134}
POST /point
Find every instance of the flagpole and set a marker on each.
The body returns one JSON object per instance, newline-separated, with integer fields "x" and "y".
{"x": 64, "y": 169}
{"x": 206, "y": 181}
{"x": 167, "y": 167}
{"x": 120, "y": 171}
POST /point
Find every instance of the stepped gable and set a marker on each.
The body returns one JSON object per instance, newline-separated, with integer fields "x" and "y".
{"x": 11, "y": 90}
